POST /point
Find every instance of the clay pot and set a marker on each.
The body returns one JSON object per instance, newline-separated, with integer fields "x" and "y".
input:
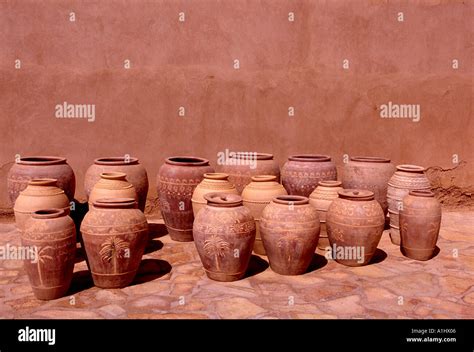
{"x": 224, "y": 233}
{"x": 212, "y": 182}
{"x": 177, "y": 179}
{"x": 420, "y": 220}
{"x": 136, "y": 175}
{"x": 256, "y": 196}
{"x": 355, "y": 223}
{"x": 40, "y": 193}
{"x": 290, "y": 231}
{"x": 321, "y": 199}
{"x": 51, "y": 236}
{"x": 301, "y": 173}
{"x": 115, "y": 233}
{"x": 407, "y": 178}
{"x": 112, "y": 185}
{"x": 32, "y": 167}
{"x": 370, "y": 173}
{"x": 242, "y": 166}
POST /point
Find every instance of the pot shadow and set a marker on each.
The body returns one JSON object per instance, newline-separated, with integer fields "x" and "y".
{"x": 151, "y": 269}
{"x": 81, "y": 280}
{"x": 317, "y": 262}
{"x": 80, "y": 255}
{"x": 379, "y": 256}
{"x": 436, "y": 252}
{"x": 256, "y": 266}
{"x": 152, "y": 246}
{"x": 156, "y": 230}
{"x": 77, "y": 215}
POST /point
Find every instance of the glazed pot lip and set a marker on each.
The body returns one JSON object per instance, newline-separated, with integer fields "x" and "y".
{"x": 113, "y": 175}
{"x": 264, "y": 178}
{"x": 216, "y": 176}
{"x": 369, "y": 159}
{"x": 356, "y": 194}
{"x": 422, "y": 193}
{"x": 245, "y": 155}
{"x": 291, "y": 200}
{"x": 310, "y": 157}
{"x": 114, "y": 203}
{"x": 186, "y": 161}
{"x": 330, "y": 183}
{"x": 115, "y": 160}
{"x": 49, "y": 213}
{"x": 411, "y": 168}
{"x": 223, "y": 200}
{"x": 43, "y": 181}
{"x": 41, "y": 160}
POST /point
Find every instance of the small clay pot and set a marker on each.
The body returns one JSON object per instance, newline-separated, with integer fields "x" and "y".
{"x": 301, "y": 173}
{"x": 112, "y": 185}
{"x": 420, "y": 220}
{"x": 290, "y": 231}
{"x": 256, "y": 196}
{"x": 212, "y": 182}
{"x": 50, "y": 235}
{"x": 224, "y": 234}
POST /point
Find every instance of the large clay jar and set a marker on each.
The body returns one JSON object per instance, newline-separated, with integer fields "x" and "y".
{"x": 243, "y": 165}
{"x": 212, "y": 182}
{"x": 355, "y": 222}
{"x": 290, "y": 231}
{"x": 370, "y": 173}
{"x": 115, "y": 233}
{"x": 420, "y": 220}
{"x": 112, "y": 185}
{"x": 321, "y": 199}
{"x": 32, "y": 167}
{"x": 177, "y": 179}
{"x": 256, "y": 196}
{"x": 407, "y": 178}
{"x": 301, "y": 173}
{"x": 136, "y": 175}
{"x": 51, "y": 236}
{"x": 41, "y": 193}
{"x": 224, "y": 233}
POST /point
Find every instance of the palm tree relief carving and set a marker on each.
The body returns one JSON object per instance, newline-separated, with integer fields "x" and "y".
{"x": 112, "y": 250}
{"x": 216, "y": 247}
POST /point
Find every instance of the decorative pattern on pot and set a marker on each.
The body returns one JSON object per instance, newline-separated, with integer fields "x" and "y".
{"x": 212, "y": 182}
{"x": 407, "y": 178}
{"x": 177, "y": 179}
{"x": 115, "y": 234}
{"x": 301, "y": 173}
{"x": 355, "y": 223}
{"x": 420, "y": 220}
{"x": 256, "y": 196}
{"x": 136, "y": 175}
{"x": 224, "y": 234}
{"x": 112, "y": 185}
{"x": 290, "y": 231}
{"x": 51, "y": 236}
{"x": 28, "y": 168}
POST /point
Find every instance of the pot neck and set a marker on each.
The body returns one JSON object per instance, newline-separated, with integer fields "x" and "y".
{"x": 186, "y": 161}
{"x": 290, "y": 200}
{"x": 370, "y": 159}
{"x": 310, "y": 158}
{"x": 115, "y": 203}
{"x": 120, "y": 160}
{"x": 223, "y": 200}
{"x": 52, "y": 213}
{"x": 356, "y": 194}
{"x": 115, "y": 176}
{"x": 42, "y": 160}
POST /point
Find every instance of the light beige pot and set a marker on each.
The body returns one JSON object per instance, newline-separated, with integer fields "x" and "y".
{"x": 112, "y": 185}
{"x": 212, "y": 182}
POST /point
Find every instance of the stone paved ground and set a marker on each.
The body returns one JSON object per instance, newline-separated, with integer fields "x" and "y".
{"x": 172, "y": 284}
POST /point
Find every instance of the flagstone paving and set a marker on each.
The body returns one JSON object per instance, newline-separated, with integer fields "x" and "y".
{"x": 172, "y": 284}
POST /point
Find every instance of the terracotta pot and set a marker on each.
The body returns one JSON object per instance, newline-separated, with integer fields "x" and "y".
{"x": 290, "y": 231}
{"x": 212, "y": 182}
{"x": 177, "y": 179}
{"x": 41, "y": 193}
{"x": 355, "y": 223}
{"x": 32, "y": 167}
{"x": 407, "y": 178}
{"x": 115, "y": 233}
{"x": 51, "y": 235}
{"x": 242, "y": 166}
{"x": 224, "y": 233}
{"x": 420, "y": 220}
{"x": 112, "y": 185}
{"x": 321, "y": 199}
{"x": 301, "y": 173}
{"x": 256, "y": 196}
{"x": 370, "y": 173}
{"x": 136, "y": 175}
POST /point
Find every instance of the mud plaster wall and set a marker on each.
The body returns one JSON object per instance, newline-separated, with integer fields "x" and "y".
{"x": 282, "y": 64}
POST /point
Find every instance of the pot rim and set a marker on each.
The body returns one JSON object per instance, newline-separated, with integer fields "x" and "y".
{"x": 113, "y": 175}
{"x": 184, "y": 160}
{"x": 309, "y": 157}
{"x": 43, "y": 181}
{"x": 114, "y": 203}
{"x": 356, "y": 194}
{"x": 330, "y": 183}
{"x": 411, "y": 168}
{"x": 41, "y": 160}
{"x": 422, "y": 193}
{"x": 370, "y": 159}
{"x": 264, "y": 178}
{"x": 291, "y": 200}
{"x": 48, "y": 213}
{"x": 245, "y": 155}
{"x": 216, "y": 176}
{"x": 223, "y": 200}
{"x": 115, "y": 160}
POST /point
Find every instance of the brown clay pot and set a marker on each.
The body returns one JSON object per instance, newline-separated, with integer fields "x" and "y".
{"x": 290, "y": 231}
{"x": 301, "y": 173}
{"x": 136, "y": 175}
{"x": 115, "y": 233}
{"x": 52, "y": 235}
{"x": 370, "y": 173}
{"x": 407, "y": 178}
{"x": 177, "y": 179}
{"x": 28, "y": 168}
{"x": 420, "y": 220}
{"x": 112, "y": 185}
{"x": 212, "y": 182}
{"x": 224, "y": 233}
{"x": 240, "y": 170}
{"x": 321, "y": 199}
{"x": 355, "y": 223}
{"x": 41, "y": 193}
{"x": 256, "y": 196}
